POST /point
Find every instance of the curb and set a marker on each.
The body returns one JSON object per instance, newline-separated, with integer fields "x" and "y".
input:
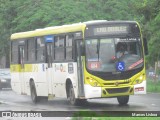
{"x": 152, "y": 93}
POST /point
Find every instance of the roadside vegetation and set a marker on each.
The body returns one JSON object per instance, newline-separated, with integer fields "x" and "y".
{"x": 153, "y": 86}
{"x": 100, "y": 115}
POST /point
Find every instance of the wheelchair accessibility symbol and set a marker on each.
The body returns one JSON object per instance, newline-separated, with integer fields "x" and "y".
{"x": 120, "y": 66}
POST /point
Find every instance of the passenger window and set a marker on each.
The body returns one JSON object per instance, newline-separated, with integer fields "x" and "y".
{"x": 40, "y": 49}
{"x": 59, "y": 48}
{"x": 31, "y": 49}
{"x": 69, "y": 47}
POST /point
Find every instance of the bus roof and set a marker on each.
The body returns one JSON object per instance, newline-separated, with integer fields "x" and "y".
{"x": 62, "y": 29}
{"x": 98, "y": 22}
{"x": 49, "y": 31}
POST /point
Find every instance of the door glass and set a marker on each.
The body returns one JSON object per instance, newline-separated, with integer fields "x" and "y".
{"x": 21, "y": 60}
{"x": 80, "y": 70}
{"x": 49, "y": 54}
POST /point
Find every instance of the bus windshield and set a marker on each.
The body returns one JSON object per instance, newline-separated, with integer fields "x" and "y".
{"x": 113, "y": 54}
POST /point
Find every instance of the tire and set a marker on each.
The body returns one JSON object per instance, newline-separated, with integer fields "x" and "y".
{"x": 72, "y": 99}
{"x": 123, "y": 100}
{"x": 34, "y": 93}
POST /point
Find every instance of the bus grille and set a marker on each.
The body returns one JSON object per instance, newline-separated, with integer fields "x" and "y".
{"x": 117, "y": 90}
{"x": 114, "y": 83}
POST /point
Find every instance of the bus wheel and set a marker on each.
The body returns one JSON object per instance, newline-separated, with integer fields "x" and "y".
{"x": 33, "y": 93}
{"x": 72, "y": 98}
{"x": 123, "y": 100}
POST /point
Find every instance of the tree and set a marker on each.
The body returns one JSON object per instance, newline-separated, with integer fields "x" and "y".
{"x": 19, "y": 16}
{"x": 7, "y": 13}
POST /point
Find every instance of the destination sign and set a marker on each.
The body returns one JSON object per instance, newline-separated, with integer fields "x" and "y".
{"x": 115, "y": 28}
{"x": 110, "y": 30}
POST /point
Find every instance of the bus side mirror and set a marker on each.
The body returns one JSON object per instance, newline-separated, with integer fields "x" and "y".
{"x": 145, "y": 43}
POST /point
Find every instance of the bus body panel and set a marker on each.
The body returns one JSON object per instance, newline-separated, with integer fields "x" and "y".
{"x": 92, "y": 92}
{"x": 31, "y": 72}
{"x": 38, "y": 73}
{"x": 15, "y": 83}
{"x": 61, "y": 74}
{"x": 50, "y": 79}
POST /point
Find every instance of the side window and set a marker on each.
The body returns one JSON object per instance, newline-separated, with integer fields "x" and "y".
{"x": 31, "y": 50}
{"x": 40, "y": 49}
{"x": 59, "y": 48}
{"x": 69, "y": 47}
{"x": 14, "y": 53}
{"x": 26, "y": 51}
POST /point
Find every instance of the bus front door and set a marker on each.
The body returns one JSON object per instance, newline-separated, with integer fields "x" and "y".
{"x": 79, "y": 50}
{"x": 50, "y": 69}
{"x": 21, "y": 71}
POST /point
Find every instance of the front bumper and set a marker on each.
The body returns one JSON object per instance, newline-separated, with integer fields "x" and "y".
{"x": 140, "y": 88}
{"x": 102, "y": 92}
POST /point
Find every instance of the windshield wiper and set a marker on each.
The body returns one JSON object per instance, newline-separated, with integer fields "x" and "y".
{"x": 98, "y": 47}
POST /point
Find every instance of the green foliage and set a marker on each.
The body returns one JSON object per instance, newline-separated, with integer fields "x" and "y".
{"x": 153, "y": 86}
{"x": 150, "y": 10}
{"x": 19, "y": 16}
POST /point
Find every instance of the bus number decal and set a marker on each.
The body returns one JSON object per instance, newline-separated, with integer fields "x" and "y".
{"x": 94, "y": 65}
{"x": 139, "y": 89}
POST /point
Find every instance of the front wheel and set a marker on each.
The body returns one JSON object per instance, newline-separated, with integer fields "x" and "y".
{"x": 72, "y": 98}
{"x": 34, "y": 93}
{"x": 123, "y": 100}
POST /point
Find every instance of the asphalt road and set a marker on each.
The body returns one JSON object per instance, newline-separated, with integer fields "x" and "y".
{"x": 10, "y": 101}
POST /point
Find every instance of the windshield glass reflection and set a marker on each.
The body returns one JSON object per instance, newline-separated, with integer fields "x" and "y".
{"x": 113, "y": 54}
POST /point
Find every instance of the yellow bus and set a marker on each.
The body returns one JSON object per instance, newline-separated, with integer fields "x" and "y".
{"x": 94, "y": 59}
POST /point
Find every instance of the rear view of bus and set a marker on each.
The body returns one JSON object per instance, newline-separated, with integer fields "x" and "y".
{"x": 114, "y": 60}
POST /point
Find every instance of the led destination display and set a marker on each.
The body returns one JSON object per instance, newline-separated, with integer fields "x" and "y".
{"x": 112, "y": 29}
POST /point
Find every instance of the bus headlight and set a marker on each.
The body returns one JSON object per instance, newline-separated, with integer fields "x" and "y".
{"x": 92, "y": 82}
{"x": 138, "y": 80}
{"x": 141, "y": 77}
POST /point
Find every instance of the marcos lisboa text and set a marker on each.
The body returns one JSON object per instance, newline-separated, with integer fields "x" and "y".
{"x": 147, "y": 114}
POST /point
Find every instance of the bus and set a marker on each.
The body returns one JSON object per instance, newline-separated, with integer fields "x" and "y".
{"x": 80, "y": 61}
